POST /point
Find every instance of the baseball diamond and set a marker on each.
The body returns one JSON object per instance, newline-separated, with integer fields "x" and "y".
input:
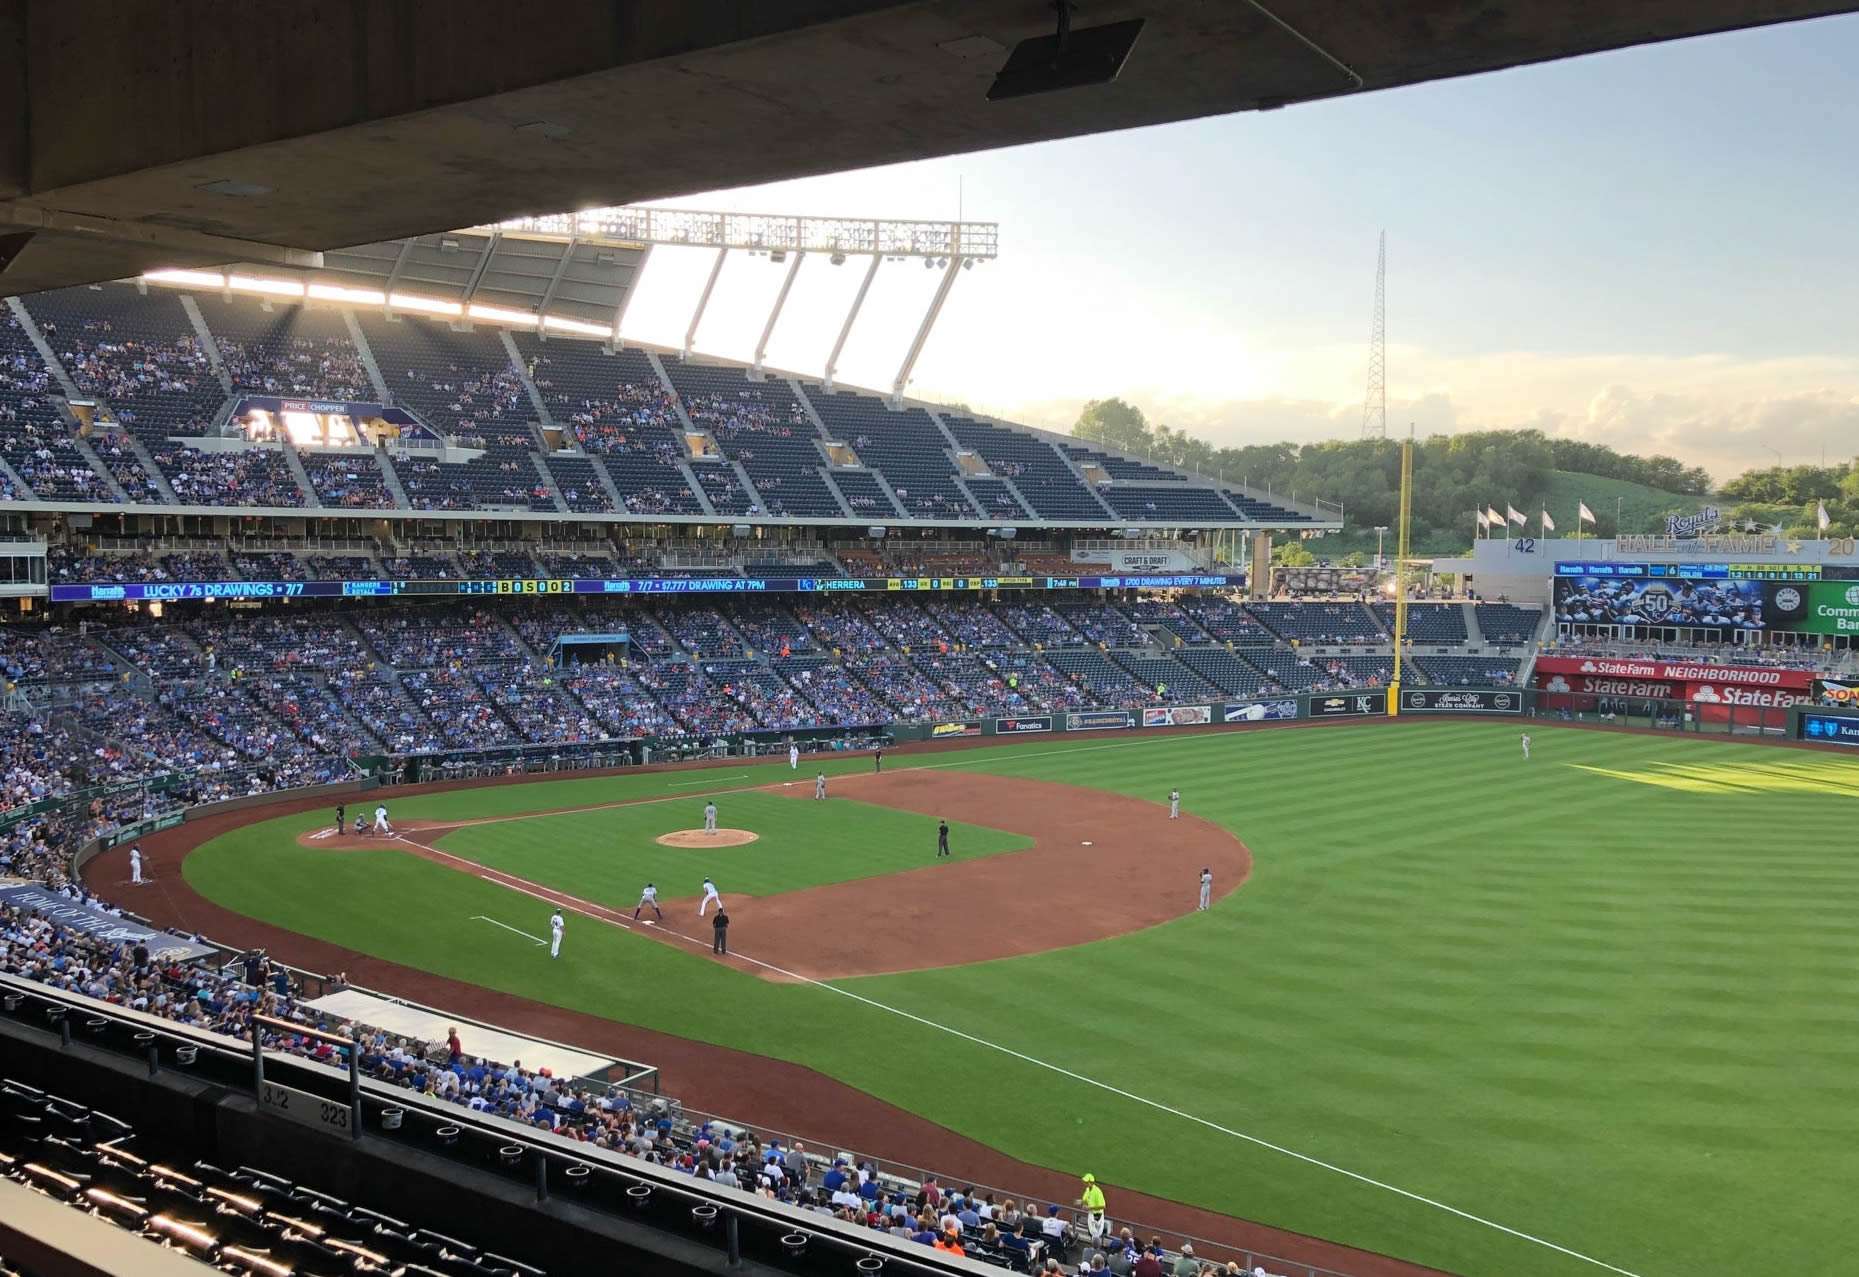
{"x": 1476, "y": 976}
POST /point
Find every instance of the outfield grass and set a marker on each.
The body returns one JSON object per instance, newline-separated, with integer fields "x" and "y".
{"x": 1605, "y": 998}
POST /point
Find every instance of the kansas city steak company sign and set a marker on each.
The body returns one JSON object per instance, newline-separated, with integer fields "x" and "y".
{"x": 1670, "y": 671}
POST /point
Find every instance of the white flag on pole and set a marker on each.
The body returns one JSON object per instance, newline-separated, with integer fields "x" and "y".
{"x": 1549, "y": 524}
{"x": 1491, "y": 513}
{"x": 1821, "y": 515}
{"x": 1584, "y": 513}
{"x": 1483, "y": 522}
{"x": 1515, "y": 515}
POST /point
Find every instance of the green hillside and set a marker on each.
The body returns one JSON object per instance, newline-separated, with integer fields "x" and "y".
{"x": 1642, "y": 509}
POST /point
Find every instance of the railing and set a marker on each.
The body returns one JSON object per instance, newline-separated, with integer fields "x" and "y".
{"x": 895, "y": 1176}
{"x": 733, "y": 1223}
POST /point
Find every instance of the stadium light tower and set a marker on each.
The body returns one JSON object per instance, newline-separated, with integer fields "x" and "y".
{"x": 1375, "y": 401}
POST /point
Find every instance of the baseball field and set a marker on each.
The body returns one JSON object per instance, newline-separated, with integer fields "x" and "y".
{"x": 1591, "y": 1012}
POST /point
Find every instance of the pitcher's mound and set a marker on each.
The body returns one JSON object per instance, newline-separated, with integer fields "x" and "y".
{"x": 706, "y": 838}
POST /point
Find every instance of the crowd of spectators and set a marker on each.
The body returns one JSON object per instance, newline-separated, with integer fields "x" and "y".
{"x": 245, "y": 477}
{"x": 304, "y": 368}
{"x": 349, "y": 479}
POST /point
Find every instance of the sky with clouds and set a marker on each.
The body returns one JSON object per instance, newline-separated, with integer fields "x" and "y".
{"x": 1656, "y": 249}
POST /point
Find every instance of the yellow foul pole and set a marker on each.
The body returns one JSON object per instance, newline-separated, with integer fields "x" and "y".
{"x": 1400, "y": 584}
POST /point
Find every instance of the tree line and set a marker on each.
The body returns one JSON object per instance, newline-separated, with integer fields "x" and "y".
{"x": 1457, "y": 474}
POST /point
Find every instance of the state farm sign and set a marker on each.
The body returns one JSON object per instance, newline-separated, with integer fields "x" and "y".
{"x": 1677, "y": 672}
{"x": 1638, "y": 688}
{"x": 1766, "y": 697}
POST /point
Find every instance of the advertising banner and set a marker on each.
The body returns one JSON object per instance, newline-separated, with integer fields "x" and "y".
{"x": 1823, "y": 607}
{"x": 1178, "y": 716}
{"x": 1594, "y": 667}
{"x": 1832, "y": 691}
{"x": 1464, "y": 700}
{"x": 101, "y": 926}
{"x": 946, "y": 731}
{"x": 1014, "y": 726}
{"x": 1350, "y": 704}
{"x": 1261, "y": 711}
{"x": 1828, "y": 729}
{"x": 1097, "y": 720}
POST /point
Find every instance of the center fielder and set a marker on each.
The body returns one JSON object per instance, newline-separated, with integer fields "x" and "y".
{"x": 1174, "y": 804}
{"x": 649, "y": 896}
{"x": 710, "y": 818}
{"x": 555, "y": 933}
{"x": 819, "y": 785}
{"x": 1526, "y": 747}
{"x": 709, "y": 895}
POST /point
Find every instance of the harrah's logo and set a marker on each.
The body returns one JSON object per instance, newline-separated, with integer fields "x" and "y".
{"x": 1689, "y": 525}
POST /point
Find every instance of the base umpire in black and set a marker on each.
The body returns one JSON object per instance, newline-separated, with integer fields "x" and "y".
{"x": 719, "y": 931}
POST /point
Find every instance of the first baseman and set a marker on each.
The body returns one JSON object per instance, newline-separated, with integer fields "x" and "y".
{"x": 555, "y": 933}
{"x": 1174, "y": 804}
{"x": 819, "y": 785}
{"x": 710, "y": 818}
{"x": 709, "y": 895}
{"x": 793, "y": 757}
{"x": 649, "y": 896}
{"x": 1207, "y": 889}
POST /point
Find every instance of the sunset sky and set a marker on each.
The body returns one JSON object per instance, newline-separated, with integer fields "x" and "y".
{"x": 1654, "y": 249}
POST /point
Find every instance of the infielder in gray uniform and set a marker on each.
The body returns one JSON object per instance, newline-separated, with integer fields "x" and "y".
{"x": 1207, "y": 890}
{"x": 819, "y": 785}
{"x": 710, "y": 818}
{"x": 1174, "y": 804}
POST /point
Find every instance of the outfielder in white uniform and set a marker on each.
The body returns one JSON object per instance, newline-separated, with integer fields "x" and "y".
{"x": 1526, "y": 747}
{"x": 709, "y": 895}
{"x": 1174, "y": 804}
{"x": 819, "y": 785}
{"x": 135, "y": 865}
{"x": 793, "y": 757}
{"x": 710, "y": 818}
{"x": 380, "y": 821}
{"x": 1207, "y": 889}
{"x": 648, "y": 897}
{"x": 555, "y": 934}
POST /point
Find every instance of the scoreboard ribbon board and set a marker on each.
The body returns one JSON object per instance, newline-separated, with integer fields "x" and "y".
{"x": 174, "y": 591}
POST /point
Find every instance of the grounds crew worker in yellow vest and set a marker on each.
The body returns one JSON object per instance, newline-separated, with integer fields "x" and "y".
{"x": 1092, "y": 1200}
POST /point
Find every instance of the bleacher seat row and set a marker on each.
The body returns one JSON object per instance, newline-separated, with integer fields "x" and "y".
{"x": 562, "y": 427}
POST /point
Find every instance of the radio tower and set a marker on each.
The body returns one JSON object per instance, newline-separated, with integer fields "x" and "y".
{"x": 1375, "y": 402}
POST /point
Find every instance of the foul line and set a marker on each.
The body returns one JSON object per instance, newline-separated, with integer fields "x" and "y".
{"x": 1199, "y": 1121}
{"x": 600, "y": 913}
{"x": 478, "y": 917}
{"x": 689, "y": 783}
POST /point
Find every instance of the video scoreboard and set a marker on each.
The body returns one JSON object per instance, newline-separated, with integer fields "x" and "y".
{"x": 173, "y": 591}
{"x": 1694, "y": 571}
